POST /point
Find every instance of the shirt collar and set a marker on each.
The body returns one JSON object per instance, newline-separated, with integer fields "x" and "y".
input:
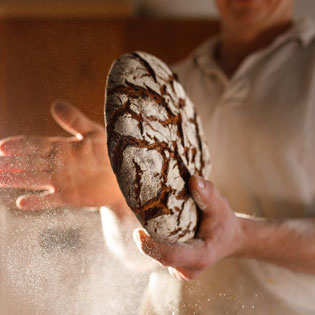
{"x": 303, "y": 30}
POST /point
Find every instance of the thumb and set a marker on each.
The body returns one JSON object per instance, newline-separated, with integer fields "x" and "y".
{"x": 72, "y": 120}
{"x": 205, "y": 194}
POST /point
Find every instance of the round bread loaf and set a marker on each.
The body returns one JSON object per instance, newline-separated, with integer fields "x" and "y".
{"x": 155, "y": 143}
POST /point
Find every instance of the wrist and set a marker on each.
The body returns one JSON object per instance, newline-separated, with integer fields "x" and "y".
{"x": 253, "y": 236}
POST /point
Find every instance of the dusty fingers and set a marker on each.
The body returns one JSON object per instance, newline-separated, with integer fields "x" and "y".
{"x": 189, "y": 259}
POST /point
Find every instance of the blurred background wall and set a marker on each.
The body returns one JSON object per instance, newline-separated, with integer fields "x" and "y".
{"x": 157, "y": 8}
{"x": 62, "y": 49}
{"x": 165, "y": 8}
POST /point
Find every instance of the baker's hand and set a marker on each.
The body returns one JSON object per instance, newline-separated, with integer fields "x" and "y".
{"x": 219, "y": 235}
{"x": 65, "y": 171}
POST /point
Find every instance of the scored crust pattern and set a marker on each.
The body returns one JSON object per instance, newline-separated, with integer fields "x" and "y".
{"x": 155, "y": 143}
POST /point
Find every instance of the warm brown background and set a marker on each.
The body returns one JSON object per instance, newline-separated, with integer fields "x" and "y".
{"x": 68, "y": 59}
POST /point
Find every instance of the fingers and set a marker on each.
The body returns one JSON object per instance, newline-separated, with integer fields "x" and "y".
{"x": 201, "y": 191}
{"x": 72, "y": 120}
{"x": 42, "y": 201}
{"x": 177, "y": 274}
{"x": 188, "y": 259}
{"x": 18, "y": 145}
{"x": 25, "y": 180}
{"x": 183, "y": 274}
{"x": 187, "y": 255}
{"x": 18, "y": 164}
{"x": 32, "y": 145}
{"x": 205, "y": 195}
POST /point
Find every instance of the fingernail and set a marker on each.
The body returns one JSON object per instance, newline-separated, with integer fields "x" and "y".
{"x": 197, "y": 197}
{"x": 61, "y": 108}
{"x": 5, "y": 147}
{"x": 143, "y": 235}
{"x": 136, "y": 237}
{"x": 200, "y": 182}
{"x": 21, "y": 203}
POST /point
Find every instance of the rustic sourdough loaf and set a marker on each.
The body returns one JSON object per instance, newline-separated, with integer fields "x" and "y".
{"x": 155, "y": 144}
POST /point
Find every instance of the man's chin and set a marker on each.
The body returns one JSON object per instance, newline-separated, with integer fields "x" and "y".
{"x": 246, "y": 20}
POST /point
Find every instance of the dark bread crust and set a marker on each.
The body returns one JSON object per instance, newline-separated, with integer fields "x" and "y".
{"x": 155, "y": 144}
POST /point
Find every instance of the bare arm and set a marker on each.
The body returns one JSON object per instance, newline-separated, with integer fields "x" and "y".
{"x": 289, "y": 242}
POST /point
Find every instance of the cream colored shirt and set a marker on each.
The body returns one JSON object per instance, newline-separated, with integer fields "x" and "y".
{"x": 260, "y": 127}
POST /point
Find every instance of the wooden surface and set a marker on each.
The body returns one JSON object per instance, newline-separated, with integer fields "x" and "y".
{"x": 46, "y": 60}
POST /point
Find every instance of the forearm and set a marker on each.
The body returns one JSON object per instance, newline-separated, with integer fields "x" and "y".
{"x": 289, "y": 242}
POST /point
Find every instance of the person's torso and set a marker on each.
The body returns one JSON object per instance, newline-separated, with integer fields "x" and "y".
{"x": 261, "y": 133}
